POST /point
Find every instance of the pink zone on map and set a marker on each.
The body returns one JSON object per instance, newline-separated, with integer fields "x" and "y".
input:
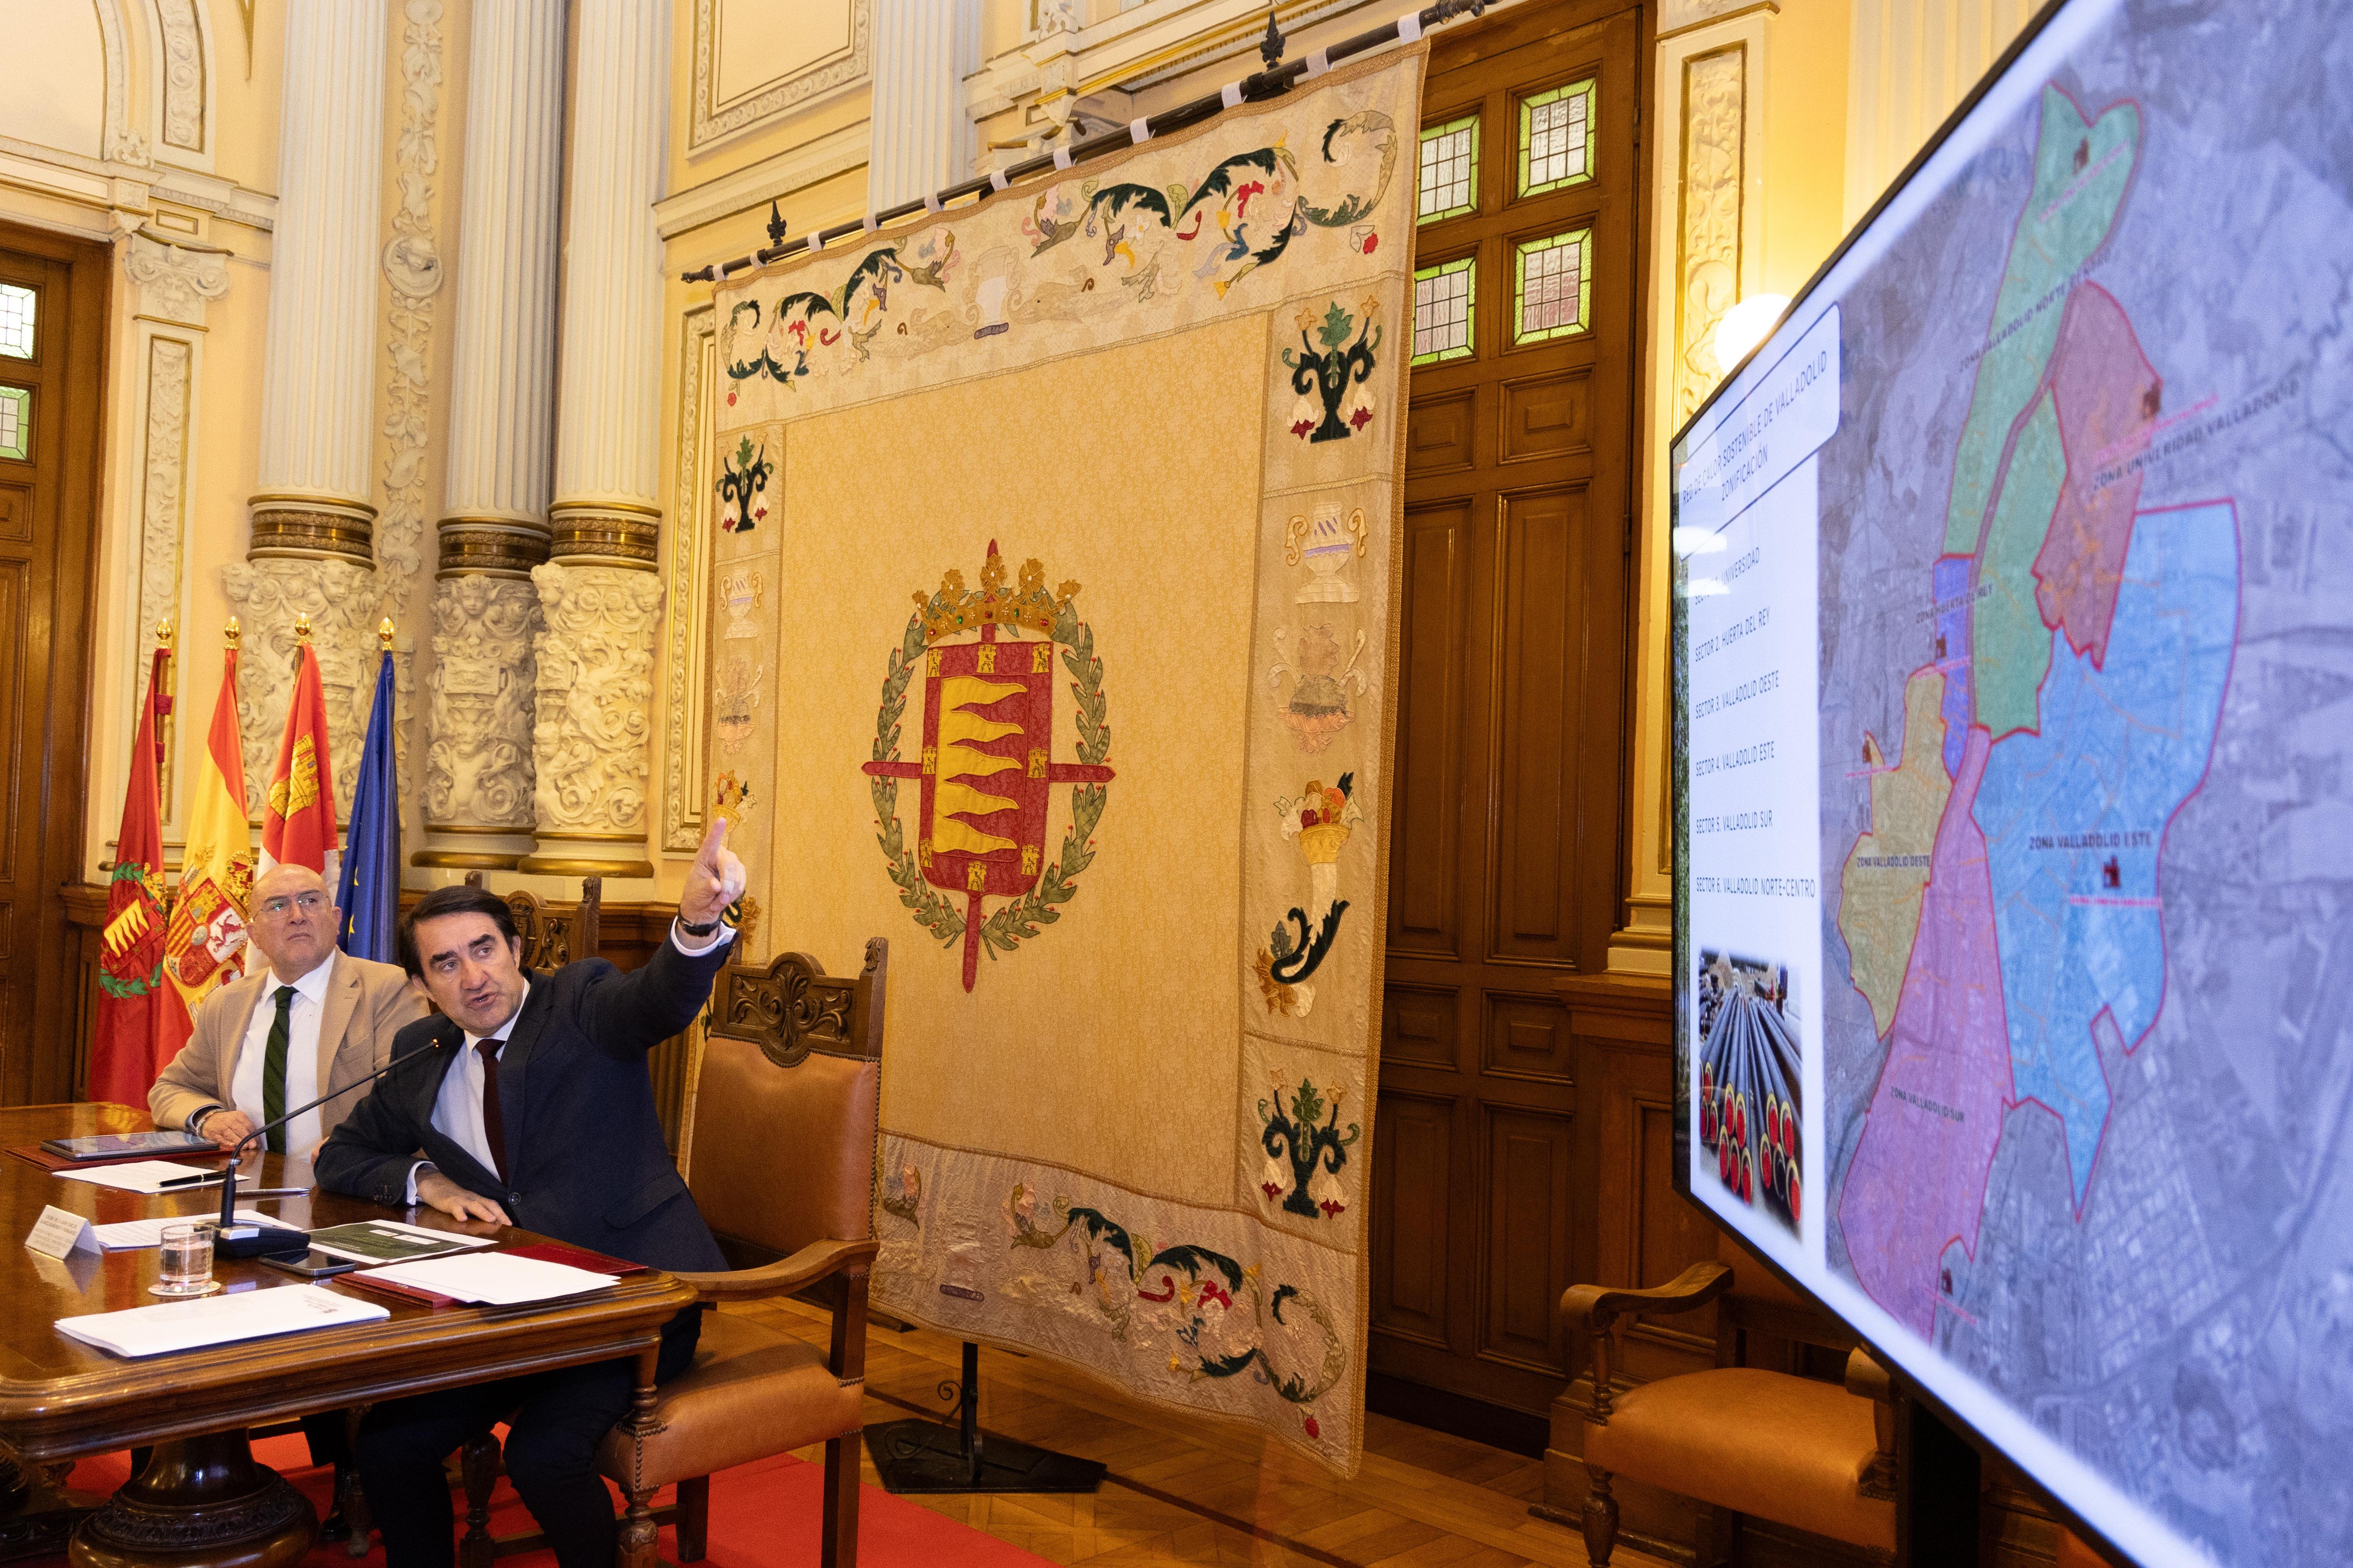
{"x": 2107, "y": 396}
{"x": 1938, "y": 1106}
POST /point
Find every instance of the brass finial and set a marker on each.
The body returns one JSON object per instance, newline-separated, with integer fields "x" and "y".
{"x": 230, "y": 634}
{"x": 301, "y": 626}
{"x": 163, "y": 632}
{"x": 384, "y": 635}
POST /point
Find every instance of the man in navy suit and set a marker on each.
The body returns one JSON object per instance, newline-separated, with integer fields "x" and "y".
{"x": 539, "y": 1114}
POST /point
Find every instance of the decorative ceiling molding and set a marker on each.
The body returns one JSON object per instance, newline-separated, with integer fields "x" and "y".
{"x": 714, "y": 122}
{"x": 123, "y": 144}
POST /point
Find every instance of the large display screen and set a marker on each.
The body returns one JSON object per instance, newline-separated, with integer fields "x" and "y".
{"x": 2013, "y": 652}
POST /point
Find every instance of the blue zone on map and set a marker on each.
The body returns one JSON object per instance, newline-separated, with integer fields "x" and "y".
{"x": 1950, "y": 579}
{"x": 2074, "y": 815}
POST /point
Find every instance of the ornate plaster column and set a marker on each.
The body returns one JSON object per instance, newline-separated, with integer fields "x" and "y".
{"x": 313, "y": 545}
{"x": 494, "y": 526}
{"x": 600, "y": 597}
{"x": 922, "y": 139}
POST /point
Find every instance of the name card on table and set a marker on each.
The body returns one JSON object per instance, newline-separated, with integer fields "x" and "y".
{"x": 59, "y": 1232}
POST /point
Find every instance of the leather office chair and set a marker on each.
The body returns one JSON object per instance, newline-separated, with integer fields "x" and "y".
{"x": 783, "y": 1166}
{"x": 1799, "y": 1451}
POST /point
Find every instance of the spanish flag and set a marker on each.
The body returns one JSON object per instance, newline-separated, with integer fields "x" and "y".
{"x": 127, "y": 1048}
{"x": 204, "y": 948}
{"x": 298, "y": 824}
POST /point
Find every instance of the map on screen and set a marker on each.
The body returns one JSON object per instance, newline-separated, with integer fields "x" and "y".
{"x": 2015, "y": 751}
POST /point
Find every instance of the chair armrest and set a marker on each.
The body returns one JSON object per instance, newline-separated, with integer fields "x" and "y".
{"x": 1866, "y": 1379}
{"x": 784, "y": 1277}
{"x": 1595, "y": 1308}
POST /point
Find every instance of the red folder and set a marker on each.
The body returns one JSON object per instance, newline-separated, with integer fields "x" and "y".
{"x": 404, "y": 1292}
{"x": 577, "y": 1258}
{"x": 34, "y": 1154}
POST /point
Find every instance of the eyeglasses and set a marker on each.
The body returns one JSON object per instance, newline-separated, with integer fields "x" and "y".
{"x": 309, "y": 902}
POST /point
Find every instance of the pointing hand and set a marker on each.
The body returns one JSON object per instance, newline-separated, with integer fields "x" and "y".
{"x": 714, "y": 881}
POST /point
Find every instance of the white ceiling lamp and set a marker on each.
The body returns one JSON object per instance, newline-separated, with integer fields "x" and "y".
{"x": 1744, "y": 326}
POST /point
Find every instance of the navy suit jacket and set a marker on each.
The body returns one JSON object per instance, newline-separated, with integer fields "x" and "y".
{"x": 586, "y": 1160}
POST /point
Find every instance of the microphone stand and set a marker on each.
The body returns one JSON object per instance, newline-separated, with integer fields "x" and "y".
{"x": 228, "y": 1176}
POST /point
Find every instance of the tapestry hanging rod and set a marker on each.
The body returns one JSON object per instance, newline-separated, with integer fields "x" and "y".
{"x": 1257, "y": 86}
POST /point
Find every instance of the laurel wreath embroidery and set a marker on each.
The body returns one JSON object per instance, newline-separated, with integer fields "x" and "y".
{"x": 1013, "y": 923}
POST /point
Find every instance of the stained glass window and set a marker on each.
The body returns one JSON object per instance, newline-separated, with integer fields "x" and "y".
{"x": 15, "y": 423}
{"x": 1442, "y": 299}
{"x": 17, "y": 321}
{"x": 1552, "y": 286}
{"x": 1450, "y": 169}
{"x": 1555, "y": 138}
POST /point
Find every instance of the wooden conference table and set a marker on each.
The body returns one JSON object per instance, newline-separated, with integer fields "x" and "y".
{"x": 202, "y": 1498}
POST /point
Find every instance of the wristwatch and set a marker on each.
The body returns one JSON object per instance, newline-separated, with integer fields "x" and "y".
{"x": 705, "y": 929}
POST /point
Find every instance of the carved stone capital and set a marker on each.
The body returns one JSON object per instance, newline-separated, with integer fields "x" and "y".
{"x": 175, "y": 282}
{"x": 490, "y": 546}
{"x": 343, "y": 602}
{"x": 595, "y": 668}
{"x": 303, "y": 527}
{"x": 605, "y": 534}
{"x": 477, "y": 765}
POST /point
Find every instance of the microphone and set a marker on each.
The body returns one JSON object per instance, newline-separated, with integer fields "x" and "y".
{"x": 445, "y": 1033}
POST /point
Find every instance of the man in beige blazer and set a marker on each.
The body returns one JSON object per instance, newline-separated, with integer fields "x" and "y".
{"x": 308, "y": 1021}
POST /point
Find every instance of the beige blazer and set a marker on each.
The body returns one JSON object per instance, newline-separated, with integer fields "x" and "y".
{"x": 366, "y": 1005}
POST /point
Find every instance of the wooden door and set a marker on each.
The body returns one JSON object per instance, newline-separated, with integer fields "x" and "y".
{"x": 52, "y": 316}
{"x": 1506, "y": 854}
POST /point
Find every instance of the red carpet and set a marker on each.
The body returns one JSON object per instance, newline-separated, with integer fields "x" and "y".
{"x": 762, "y": 1516}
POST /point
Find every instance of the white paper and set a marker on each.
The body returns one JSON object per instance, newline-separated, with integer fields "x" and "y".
{"x": 493, "y": 1278}
{"x": 132, "y": 1234}
{"x": 60, "y": 1232}
{"x": 218, "y": 1319}
{"x": 149, "y": 1176}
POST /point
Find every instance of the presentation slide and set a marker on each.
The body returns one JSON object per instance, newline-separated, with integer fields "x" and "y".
{"x": 2013, "y": 657}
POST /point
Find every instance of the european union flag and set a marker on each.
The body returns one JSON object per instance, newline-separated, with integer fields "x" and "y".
{"x": 370, "y": 890}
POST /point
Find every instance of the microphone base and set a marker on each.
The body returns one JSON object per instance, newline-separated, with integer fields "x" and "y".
{"x": 257, "y": 1241}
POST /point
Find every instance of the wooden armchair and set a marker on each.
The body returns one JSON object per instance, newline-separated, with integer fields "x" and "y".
{"x": 783, "y": 1168}
{"x": 553, "y": 935}
{"x": 1799, "y": 1451}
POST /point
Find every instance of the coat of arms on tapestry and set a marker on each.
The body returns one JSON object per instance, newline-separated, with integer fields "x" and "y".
{"x": 1055, "y": 541}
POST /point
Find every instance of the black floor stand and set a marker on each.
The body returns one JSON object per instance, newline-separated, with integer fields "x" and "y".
{"x": 918, "y": 1456}
{"x": 1936, "y": 1493}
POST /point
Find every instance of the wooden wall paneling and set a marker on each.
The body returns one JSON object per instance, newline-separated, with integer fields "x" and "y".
{"x": 1538, "y": 728}
{"x": 1412, "y": 1180}
{"x": 1528, "y": 1158}
{"x": 1426, "y": 818}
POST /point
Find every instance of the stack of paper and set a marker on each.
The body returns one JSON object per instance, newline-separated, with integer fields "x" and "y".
{"x": 218, "y": 1319}
{"x": 149, "y": 1176}
{"x": 494, "y": 1279}
{"x": 133, "y": 1234}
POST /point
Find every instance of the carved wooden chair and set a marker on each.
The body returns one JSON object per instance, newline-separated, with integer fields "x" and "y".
{"x": 786, "y": 1118}
{"x": 553, "y": 936}
{"x": 1799, "y": 1451}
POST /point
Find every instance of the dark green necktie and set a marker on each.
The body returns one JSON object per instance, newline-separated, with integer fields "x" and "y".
{"x": 273, "y": 1071}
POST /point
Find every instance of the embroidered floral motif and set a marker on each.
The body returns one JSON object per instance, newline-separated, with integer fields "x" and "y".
{"x": 1217, "y": 1314}
{"x": 742, "y": 487}
{"x": 1320, "y": 820}
{"x": 1333, "y": 376}
{"x": 1303, "y": 1155}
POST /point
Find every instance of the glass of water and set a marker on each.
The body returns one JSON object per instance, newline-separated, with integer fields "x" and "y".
{"x": 187, "y": 1259}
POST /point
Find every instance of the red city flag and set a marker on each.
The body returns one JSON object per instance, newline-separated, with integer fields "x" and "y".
{"x": 128, "y": 1047}
{"x": 298, "y": 821}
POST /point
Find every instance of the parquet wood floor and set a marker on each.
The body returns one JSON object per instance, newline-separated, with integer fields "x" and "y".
{"x": 1184, "y": 1489}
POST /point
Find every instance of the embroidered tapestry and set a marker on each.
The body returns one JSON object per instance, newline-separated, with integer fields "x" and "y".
{"x": 1054, "y": 550}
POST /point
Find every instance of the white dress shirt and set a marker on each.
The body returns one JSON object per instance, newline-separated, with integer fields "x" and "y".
{"x": 303, "y": 1020}
{"x": 457, "y": 1108}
